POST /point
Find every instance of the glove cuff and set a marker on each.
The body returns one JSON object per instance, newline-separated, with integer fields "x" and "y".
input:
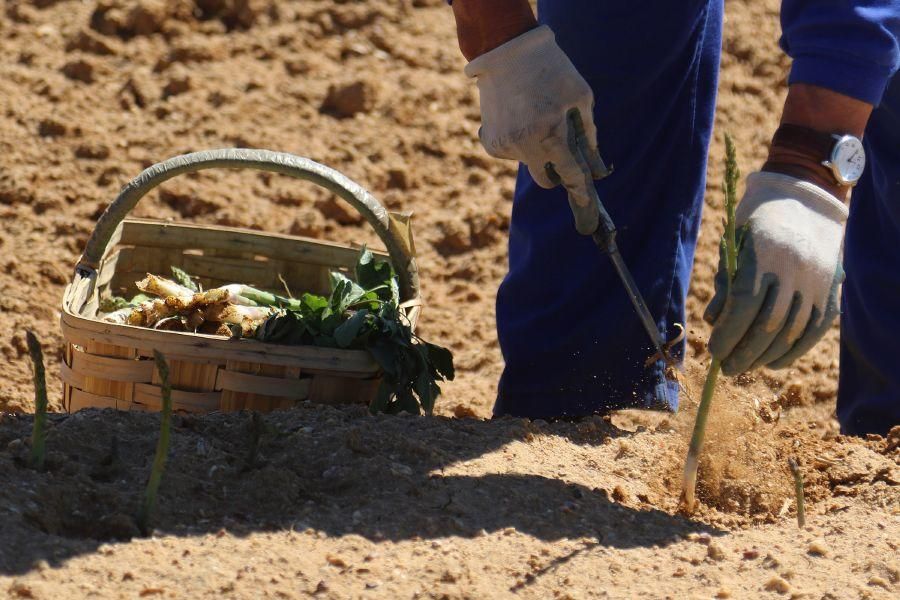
{"x": 516, "y": 55}
{"x": 764, "y": 186}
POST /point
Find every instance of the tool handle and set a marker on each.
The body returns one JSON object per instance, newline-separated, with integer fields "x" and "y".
{"x": 592, "y": 217}
{"x": 604, "y": 231}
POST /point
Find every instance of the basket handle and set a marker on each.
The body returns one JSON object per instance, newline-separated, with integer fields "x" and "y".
{"x": 264, "y": 160}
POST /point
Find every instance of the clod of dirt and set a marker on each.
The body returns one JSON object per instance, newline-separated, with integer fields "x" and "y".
{"x": 187, "y": 204}
{"x": 308, "y": 223}
{"x": 778, "y": 584}
{"x": 892, "y": 441}
{"x": 95, "y": 151}
{"x": 138, "y": 91}
{"x": 13, "y": 190}
{"x": 338, "y": 210}
{"x": 817, "y": 548}
{"x": 344, "y": 100}
{"x": 51, "y": 128}
{"x": 88, "y": 41}
{"x": 715, "y": 552}
{"x": 79, "y": 70}
{"x": 176, "y": 85}
{"x": 237, "y": 14}
{"x": 297, "y": 66}
{"x": 144, "y": 17}
{"x": 463, "y": 411}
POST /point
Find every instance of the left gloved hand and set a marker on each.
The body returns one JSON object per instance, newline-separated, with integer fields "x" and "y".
{"x": 784, "y": 296}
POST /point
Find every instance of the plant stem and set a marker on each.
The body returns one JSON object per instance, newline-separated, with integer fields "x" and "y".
{"x": 38, "y": 433}
{"x": 691, "y": 464}
{"x": 729, "y": 247}
{"x": 798, "y": 490}
{"x": 162, "y": 446}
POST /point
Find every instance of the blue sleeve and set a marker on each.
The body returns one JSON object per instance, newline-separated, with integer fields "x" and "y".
{"x": 848, "y": 46}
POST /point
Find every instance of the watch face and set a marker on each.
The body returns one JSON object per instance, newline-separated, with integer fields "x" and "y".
{"x": 848, "y": 159}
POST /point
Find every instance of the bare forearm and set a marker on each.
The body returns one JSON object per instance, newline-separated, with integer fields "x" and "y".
{"x": 821, "y": 109}
{"x": 482, "y": 25}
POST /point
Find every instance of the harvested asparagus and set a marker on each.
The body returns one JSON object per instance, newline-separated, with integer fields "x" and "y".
{"x": 164, "y": 288}
{"x": 120, "y": 316}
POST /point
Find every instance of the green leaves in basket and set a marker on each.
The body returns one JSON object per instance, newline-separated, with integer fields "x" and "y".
{"x": 365, "y": 314}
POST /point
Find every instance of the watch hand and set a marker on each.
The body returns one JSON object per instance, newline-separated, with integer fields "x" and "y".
{"x": 855, "y": 152}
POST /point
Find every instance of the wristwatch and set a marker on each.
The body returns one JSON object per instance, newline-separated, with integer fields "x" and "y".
{"x": 843, "y": 155}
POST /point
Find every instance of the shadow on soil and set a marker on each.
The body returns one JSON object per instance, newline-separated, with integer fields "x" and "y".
{"x": 337, "y": 470}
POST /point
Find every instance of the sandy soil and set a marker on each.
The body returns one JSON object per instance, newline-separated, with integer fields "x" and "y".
{"x": 331, "y": 502}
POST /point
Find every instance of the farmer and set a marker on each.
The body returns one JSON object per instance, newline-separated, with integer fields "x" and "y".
{"x": 643, "y": 77}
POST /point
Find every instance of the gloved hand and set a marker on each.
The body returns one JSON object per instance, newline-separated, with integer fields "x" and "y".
{"x": 784, "y": 296}
{"x": 527, "y": 87}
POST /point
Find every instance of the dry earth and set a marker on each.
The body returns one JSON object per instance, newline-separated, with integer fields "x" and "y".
{"x": 332, "y": 502}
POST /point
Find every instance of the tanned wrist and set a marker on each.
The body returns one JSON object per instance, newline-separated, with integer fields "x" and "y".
{"x": 483, "y": 25}
{"x": 824, "y": 110}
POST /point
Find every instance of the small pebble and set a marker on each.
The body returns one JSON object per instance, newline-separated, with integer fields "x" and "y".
{"x": 751, "y": 554}
{"x": 879, "y": 581}
{"x": 40, "y": 565}
{"x": 715, "y": 552}
{"x": 777, "y": 584}
{"x": 335, "y": 561}
{"x": 723, "y": 593}
{"x": 817, "y": 548}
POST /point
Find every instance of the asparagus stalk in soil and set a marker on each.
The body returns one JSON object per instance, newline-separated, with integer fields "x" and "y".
{"x": 729, "y": 250}
{"x": 38, "y": 433}
{"x": 162, "y": 446}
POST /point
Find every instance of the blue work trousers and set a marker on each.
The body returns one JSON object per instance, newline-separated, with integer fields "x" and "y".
{"x": 571, "y": 340}
{"x": 869, "y": 390}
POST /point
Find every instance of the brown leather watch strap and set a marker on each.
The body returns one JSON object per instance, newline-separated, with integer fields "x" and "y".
{"x": 799, "y": 152}
{"x": 817, "y": 144}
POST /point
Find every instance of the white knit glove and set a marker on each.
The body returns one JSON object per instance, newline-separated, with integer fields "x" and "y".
{"x": 784, "y": 296}
{"x": 528, "y": 86}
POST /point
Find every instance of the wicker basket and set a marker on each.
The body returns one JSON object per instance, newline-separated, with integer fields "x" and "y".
{"x": 110, "y": 365}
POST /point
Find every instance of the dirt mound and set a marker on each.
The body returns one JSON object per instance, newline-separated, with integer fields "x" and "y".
{"x": 339, "y": 473}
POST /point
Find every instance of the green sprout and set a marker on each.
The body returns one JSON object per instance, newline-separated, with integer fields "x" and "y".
{"x": 729, "y": 250}
{"x": 162, "y": 446}
{"x": 38, "y": 433}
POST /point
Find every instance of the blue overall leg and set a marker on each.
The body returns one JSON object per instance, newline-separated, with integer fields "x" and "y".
{"x": 569, "y": 335}
{"x": 869, "y": 390}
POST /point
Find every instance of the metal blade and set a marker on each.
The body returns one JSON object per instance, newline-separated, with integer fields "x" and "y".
{"x": 637, "y": 300}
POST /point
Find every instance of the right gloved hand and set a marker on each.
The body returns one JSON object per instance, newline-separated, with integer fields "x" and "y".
{"x": 784, "y": 296}
{"x": 528, "y": 86}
